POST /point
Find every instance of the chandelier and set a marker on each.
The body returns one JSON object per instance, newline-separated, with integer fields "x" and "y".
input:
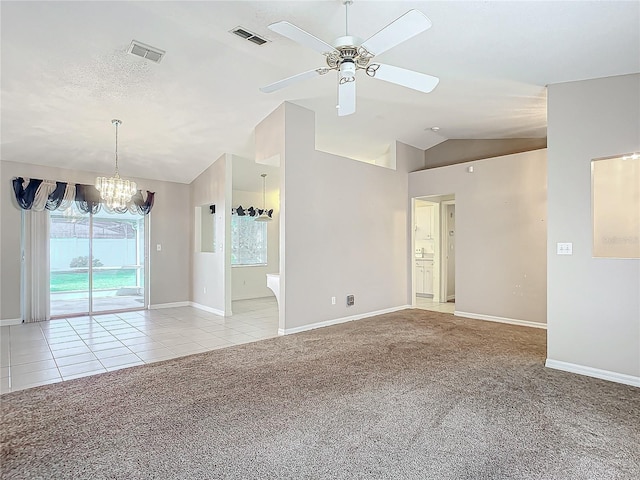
{"x": 264, "y": 215}
{"x": 115, "y": 191}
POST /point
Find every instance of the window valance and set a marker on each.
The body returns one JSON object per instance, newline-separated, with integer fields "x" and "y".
{"x": 251, "y": 211}
{"x": 36, "y": 194}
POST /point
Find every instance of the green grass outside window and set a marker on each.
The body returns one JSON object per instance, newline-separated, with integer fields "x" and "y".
{"x": 102, "y": 279}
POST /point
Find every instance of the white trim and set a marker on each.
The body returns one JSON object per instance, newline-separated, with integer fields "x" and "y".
{"x": 491, "y": 318}
{"x": 444, "y": 252}
{"x": 451, "y": 297}
{"x": 593, "y": 372}
{"x": 10, "y": 321}
{"x": 335, "y": 321}
{"x": 215, "y": 311}
{"x": 169, "y": 305}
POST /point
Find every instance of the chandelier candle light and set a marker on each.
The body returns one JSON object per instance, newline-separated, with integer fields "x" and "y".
{"x": 264, "y": 216}
{"x": 115, "y": 191}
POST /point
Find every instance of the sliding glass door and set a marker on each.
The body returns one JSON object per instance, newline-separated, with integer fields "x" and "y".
{"x": 117, "y": 243}
{"x": 69, "y": 255}
{"x": 97, "y": 262}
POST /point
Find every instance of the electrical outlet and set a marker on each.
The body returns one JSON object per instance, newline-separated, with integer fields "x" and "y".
{"x": 159, "y": 247}
{"x": 333, "y": 300}
{"x": 204, "y": 290}
{"x": 350, "y": 300}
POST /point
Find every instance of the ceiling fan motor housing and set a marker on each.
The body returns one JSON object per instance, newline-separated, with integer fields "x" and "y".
{"x": 348, "y": 41}
{"x": 347, "y": 57}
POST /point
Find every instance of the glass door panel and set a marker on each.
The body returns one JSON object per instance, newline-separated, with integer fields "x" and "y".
{"x": 69, "y": 262}
{"x": 117, "y": 245}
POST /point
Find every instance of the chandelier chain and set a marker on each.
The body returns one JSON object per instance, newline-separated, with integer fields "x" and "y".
{"x": 116, "y": 148}
{"x": 117, "y": 124}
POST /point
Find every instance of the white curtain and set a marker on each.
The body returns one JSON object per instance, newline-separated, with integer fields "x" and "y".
{"x": 36, "y": 302}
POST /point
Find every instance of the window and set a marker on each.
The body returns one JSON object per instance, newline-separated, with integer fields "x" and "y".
{"x": 248, "y": 241}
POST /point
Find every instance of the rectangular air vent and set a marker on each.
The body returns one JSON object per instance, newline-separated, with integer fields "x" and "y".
{"x": 145, "y": 51}
{"x": 247, "y": 35}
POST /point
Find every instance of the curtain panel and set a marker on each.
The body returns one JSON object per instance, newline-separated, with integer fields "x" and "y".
{"x": 36, "y": 303}
{"x": 38, "y": 195}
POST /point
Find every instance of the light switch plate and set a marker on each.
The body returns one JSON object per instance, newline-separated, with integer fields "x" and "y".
{"x": 565, "y": 249}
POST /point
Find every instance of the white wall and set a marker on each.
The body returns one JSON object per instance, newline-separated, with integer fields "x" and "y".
{"x": 593, "y": 303}
{"x": 345, "y": 225}
{"x": 211, "y": 279}
{"x": 169, "y": 226}
{"x": 500, "y": 233}
{"x": 251, "y": 281}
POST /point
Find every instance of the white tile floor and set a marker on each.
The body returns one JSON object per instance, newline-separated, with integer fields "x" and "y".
{"x": 39, "y": 353}
{"x": 425, "y": 303}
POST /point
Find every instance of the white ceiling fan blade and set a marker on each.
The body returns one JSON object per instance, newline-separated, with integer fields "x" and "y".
{"x": 346, "y": 98}
{"x": 302, "y": 37}
{"x": 285, "y": 82}
{"x": 408, "y": 25}
{"x": 401, "y": 76}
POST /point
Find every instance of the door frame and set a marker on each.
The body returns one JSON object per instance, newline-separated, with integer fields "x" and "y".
{"x": 412, "y": 252}
{"x": 444, "y": 294}
{"x": 435, "y": 202}
{"x": 146, "y": 272}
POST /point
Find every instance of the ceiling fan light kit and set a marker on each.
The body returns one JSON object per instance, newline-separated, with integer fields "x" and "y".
{"x": 348, "y": 54}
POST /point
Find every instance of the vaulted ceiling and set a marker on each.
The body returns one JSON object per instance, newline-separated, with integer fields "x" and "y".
{"x": 66, "y": 73}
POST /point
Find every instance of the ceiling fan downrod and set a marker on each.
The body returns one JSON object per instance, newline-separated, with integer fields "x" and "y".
{"x": 346, "y": 4}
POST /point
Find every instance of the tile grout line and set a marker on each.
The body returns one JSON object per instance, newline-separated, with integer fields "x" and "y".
{"x": 46, "y": 339}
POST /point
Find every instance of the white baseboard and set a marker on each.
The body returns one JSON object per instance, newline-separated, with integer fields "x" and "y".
{"x": 593, "y": 372}
{"x": 450, "y": 297}
{"x": 491, "y": 318}
{"x": 10, "y": 321}
{"x": 169, "y": 305}
{"x": 262, "y": 297}
{"x": 215, "y": 311}
{"x": 335, "y": 321}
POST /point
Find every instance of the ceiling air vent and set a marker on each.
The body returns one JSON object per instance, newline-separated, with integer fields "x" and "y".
{"x": 247, "y": 35}
{"x": 145, "y": 51}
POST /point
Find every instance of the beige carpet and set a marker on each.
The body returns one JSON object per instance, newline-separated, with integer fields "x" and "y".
{"x": 408, "y": 395}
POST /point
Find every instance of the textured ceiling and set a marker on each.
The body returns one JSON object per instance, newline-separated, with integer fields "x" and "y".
{"x": 66, "y": 74}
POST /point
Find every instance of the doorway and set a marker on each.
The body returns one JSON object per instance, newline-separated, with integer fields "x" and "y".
{"x": 433, "y": 253}
{"x": 97, "y": 262}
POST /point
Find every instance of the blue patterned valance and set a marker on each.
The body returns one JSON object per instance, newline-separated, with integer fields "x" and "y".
{"x": 36, "y": 194}
{"x": 251, "y": 211}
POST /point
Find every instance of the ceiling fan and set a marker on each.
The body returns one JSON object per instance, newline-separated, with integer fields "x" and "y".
{"x": 349, "y": 54}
